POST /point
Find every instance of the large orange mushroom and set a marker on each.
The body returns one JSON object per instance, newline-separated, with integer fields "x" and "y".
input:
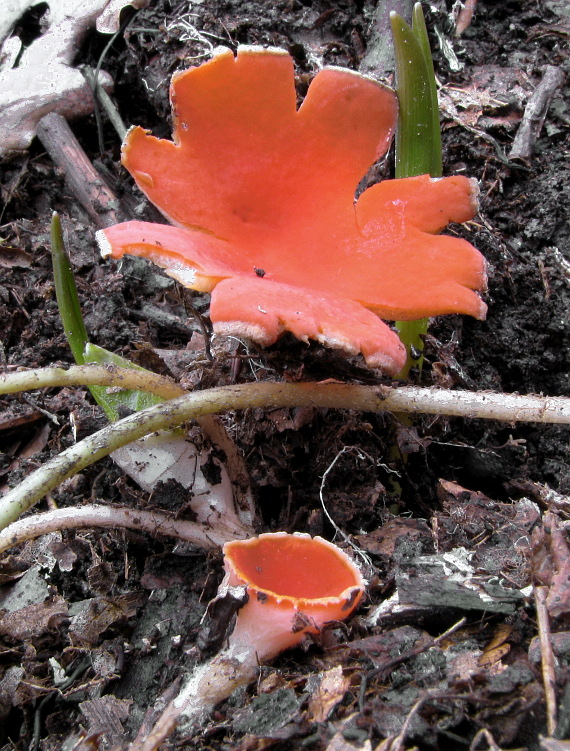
{"x": 262, "y": 196}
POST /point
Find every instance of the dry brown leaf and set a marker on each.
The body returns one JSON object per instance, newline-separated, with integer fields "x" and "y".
{"x": 558, "y": 601}
{"x": 96, "y": 615}
{"x": 496, "y": 92}
{"x": 332, "y": 687}
{"x": 382, "y": 541}
{"x": 11, "y": 256}
{"x": 493, "y": 656}
{"x": 497, "y": 647}
{"x": 33, "y": 620}
{"x": 464, "y": 669}
{"x": 380, "y": 649}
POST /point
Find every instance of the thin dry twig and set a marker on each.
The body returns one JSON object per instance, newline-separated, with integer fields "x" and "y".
{"x": 384, "y": 669}
{"x": 99, "y": 516}
{"x": 547, "y": 657}
{"x": 483, "y": 735}
{"x": 397, "y": 743}
{"x": 535, "y": 113}
{"x": 85, "y": 183}
{"x": 105, "y": 101}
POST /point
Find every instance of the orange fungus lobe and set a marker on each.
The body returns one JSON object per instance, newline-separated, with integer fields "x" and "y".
{"x": 262, "y": 196}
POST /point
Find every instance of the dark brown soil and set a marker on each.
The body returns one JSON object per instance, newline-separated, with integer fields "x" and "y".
{"x": 466, "y": 478}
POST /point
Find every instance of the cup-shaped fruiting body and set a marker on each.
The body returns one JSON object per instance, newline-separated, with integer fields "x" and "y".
{"x": 295, "y": 584}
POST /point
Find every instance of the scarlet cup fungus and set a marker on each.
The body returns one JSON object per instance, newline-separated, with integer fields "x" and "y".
{"x": 294, "y": 585}
{"x": 263, "y": 198}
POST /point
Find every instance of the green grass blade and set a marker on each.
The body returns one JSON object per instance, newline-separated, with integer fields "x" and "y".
{"x": 112, "y": 402}
{"x": 434, "y": 150}
{"x": 66, "y": 294}
{"x": 418, "y": 139}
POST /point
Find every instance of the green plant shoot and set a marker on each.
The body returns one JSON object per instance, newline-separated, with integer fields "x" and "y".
{"x": 418, "y": 138}
{"x": 111, "y": 401}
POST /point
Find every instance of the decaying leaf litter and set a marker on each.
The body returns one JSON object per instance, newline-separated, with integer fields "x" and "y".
{"x": 477, "y": 536}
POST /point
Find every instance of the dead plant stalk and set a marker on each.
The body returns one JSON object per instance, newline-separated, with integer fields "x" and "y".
{"x": 197, "y": 406}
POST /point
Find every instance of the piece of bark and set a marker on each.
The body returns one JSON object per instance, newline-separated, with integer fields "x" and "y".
{"x": 535, "y": 113}
{"x": 105, "y": 716}
{"x": 85, "y": 183}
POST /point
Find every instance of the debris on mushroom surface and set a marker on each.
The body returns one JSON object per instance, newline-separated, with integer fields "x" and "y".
{"x": 263, "y": 198}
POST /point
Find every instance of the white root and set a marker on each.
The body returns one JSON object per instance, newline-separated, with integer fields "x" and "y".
{"x": 507, "y": 407}
{"x": 206, "y": 535}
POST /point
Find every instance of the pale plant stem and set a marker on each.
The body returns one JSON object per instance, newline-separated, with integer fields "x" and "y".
{"x": 411, "y": 399}
{"x": 139, "y": 380}
{"x": 548, "y": 661}
{"x": 89, "y": 375}
{"x": 94, "y": 515}
{"x": 173, "y": 413}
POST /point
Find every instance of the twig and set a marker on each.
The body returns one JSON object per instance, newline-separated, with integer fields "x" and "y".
{"x": 535, "y": 113}
{"x": 465, "y": 16}
{"x": 484, "y": 735}
{"x": 84, "y": 181}
{"x": 105, "y": 100}
{"x": 547, "y": 657}
{"x": 153, "y": 522}
{"x": 94, "y": 80}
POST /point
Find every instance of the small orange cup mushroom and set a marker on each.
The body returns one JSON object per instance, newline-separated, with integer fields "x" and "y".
{"x": 263, "y": 198}
{"x": 295, "y": 584}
